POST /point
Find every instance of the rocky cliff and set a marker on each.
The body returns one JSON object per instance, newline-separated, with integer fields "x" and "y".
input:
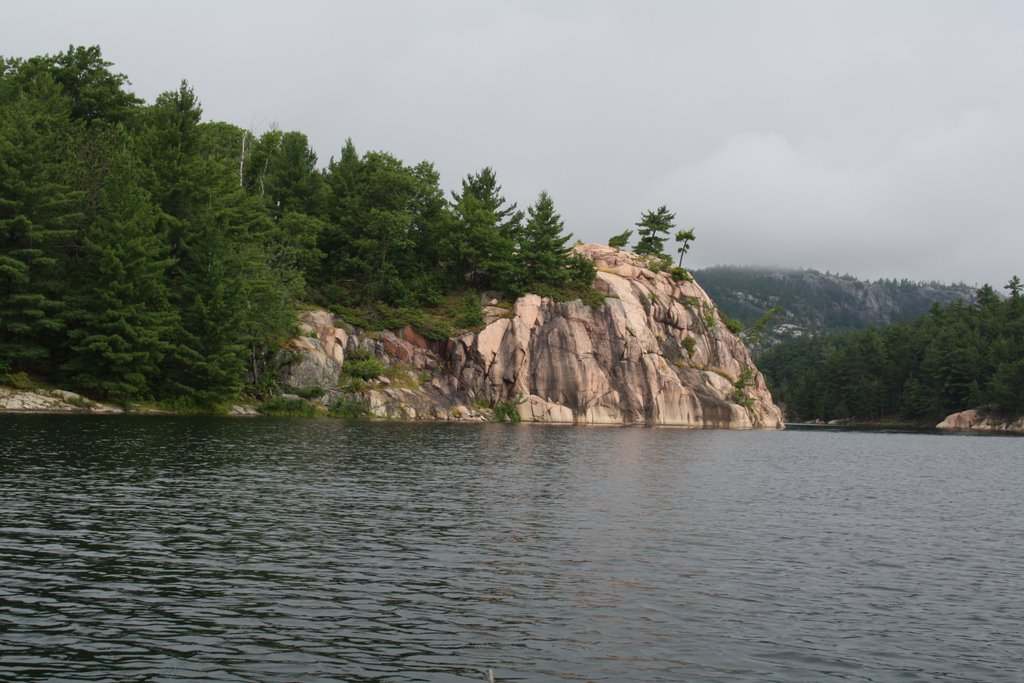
{"x": 655, "y": 352}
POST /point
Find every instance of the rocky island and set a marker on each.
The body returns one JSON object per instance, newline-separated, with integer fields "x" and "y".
{"x": 656, "y": 352}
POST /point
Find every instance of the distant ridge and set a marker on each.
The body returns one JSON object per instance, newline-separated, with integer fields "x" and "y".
{"x": 813, "y": 302}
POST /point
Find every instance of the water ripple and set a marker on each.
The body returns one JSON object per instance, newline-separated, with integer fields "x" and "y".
{"x": 280, "y": 550}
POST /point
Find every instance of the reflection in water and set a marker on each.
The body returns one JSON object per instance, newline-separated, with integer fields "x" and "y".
{"x": 217, "y": 549}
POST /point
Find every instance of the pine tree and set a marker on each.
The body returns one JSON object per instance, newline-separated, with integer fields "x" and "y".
{"x": 684, "y": 237}
{"x": 40, "y": 212}
{"x": 654, "y": 227}
{"x": 542, "y": 254}
{"x": 482, "y": 246}
{"x": 119, "y": 319}
{"x": 620, "y": 241}
{"x": 197, "y": 195}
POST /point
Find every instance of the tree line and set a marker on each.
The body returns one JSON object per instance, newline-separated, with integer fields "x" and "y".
{"x": 954, "y": 357}
{"x": 148, "y": 255}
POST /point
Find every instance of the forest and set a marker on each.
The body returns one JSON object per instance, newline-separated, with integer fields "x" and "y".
{"x": 146, "y": 255}
{"x": 954, "y": 357}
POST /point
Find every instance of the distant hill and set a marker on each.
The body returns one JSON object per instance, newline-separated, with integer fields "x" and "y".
{"x": 815, "y": 302}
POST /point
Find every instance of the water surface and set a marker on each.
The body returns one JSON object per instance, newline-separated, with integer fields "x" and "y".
{"x": 171, "y": 549}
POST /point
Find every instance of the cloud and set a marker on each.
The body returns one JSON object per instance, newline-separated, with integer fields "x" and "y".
{"x": 940, "y": 203}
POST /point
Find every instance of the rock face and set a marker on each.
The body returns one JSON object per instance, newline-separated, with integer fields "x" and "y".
{"x": 314, "y": 359}
{"x": 49, "y": 401}
{"x": 656, "y": 352}
{"x": 974, "y": 420}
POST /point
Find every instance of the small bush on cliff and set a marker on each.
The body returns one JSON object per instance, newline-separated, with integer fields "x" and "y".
{"x": 690, "y": 344}
{"x": 710, "y": 315}
{"x": 739, "y": 394}
{"x": 681, "y": 274}
{"x": 362, "y": 364}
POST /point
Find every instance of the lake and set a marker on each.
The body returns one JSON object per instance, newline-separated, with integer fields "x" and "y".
{"x": 205, "y": 549}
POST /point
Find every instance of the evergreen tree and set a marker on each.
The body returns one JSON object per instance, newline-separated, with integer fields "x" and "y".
{"x": 40, "y": 213}
{"x": 621, "y": 240}
{"x": 118, "y": 318}
{"x": 684, "y": 237}
{"x": 654, "y": 227}
{"x": 481, "y": 247}
{"x": 542, "y": 254}
{"x": 206, "y": 363}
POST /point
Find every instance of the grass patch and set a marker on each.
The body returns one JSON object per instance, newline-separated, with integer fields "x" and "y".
{"x": 279, "y": 406}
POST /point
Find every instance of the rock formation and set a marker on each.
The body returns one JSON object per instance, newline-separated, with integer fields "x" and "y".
{"x": 656, "y": 352}
{"x": 49, "y": 401}
{"x": 974, "y": 420}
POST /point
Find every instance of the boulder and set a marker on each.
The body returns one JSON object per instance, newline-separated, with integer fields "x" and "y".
{"x": 975, "y": 420}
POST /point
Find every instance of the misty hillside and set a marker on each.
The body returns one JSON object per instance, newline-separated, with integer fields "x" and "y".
{"x": 815, "y": 302}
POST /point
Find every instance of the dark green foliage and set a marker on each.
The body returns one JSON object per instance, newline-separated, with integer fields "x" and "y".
{"x": 690, "y": 344}
{"x": 40, "y": 214}
{"x": 471, "y": 314}
{"x": 348, "y": 408}
{"x": 383, "y": 240}
{"x": 481, "y": 245}
{"x": 119, "y": 318}
{"x": 95, "y": 94}
{"x": 279, "y": 406}
{"x": 734, "y": 325}
{"x": 362, "y": 364}
{"x": 544, "y": 263}
{"x": 505, "y": 411}
{"x": 654, "y": 227}
{"x": 680, "y": 274}
{"x": 620, "y": 241}
{"x": 953, "y": 358}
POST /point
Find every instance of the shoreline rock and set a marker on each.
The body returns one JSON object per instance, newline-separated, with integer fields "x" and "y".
{"x": 974, "y": 420}
{"x": 50, "y": 401}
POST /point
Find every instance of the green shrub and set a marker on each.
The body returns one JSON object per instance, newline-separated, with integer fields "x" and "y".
{"x": 709, "y": 313}
{"x": 735, "y": 326}
{"x": 348, "y": 408}
{"x": 310, "y": 392}
{"x": 681, "y": 275}
{"x": 505, "y": 411}
{"x": 690, "y": 344}
{"x": 362, "y": 364}
{"x": 279, "y": 406}
{"x": 471, "y": 313}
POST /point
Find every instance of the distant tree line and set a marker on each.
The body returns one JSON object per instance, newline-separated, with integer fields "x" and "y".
{"x": 955, "y": 357}
{"x": 145, "y": 254}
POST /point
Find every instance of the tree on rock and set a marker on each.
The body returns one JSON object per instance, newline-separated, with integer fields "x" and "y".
{"x": 482, "y": 245}
{"x": 654, "y": 227}
{"x": 684, "y": 237}
{"x": 542, "y": 256}
{"x": 621, "y": 240}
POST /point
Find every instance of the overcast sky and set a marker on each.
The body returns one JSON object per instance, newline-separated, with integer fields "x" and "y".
{"x": 880, "y": 139}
